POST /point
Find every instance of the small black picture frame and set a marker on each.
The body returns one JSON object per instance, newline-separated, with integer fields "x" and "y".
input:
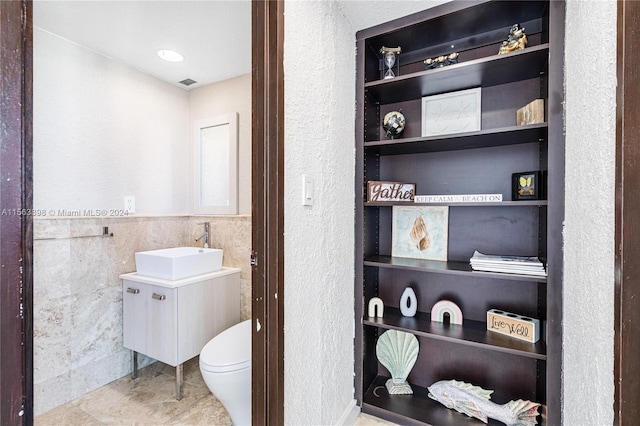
{"x": 528, "y": 186}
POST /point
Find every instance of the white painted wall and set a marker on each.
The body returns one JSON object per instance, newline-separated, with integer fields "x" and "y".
{"x": 590, "y": 81}
{"x": 103, "y": 131}
{"x": 232, "y": 95}
{"x": 319, "y": 240}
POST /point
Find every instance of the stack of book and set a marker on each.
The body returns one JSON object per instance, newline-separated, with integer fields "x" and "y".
{"x": 525, "y": 265}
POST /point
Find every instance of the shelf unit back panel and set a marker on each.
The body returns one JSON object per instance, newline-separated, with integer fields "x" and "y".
{"x": 498, "y": 106}
{"x": 413, "y": 62}
{"x": 475, "y": 171}
{"x": 474, "y": 296}
{"x": 514, "y": 378}
{"x": 480, "y": 27}
{"x": 494, "y": 230}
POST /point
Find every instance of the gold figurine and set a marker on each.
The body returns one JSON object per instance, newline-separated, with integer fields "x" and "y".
{"x": 517, "y": 40}
{"x": 441, "y": 61}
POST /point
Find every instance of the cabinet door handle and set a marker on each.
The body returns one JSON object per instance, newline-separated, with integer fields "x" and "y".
{"x": 133, "y": 290}
{"x": 159, "y": 296}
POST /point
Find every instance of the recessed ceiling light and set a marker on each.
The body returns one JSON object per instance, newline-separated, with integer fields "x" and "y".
{"x": 170, "y": 55}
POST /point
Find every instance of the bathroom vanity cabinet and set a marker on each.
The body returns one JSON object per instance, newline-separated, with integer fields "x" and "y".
{"x": 480, "y": 160}
{"x": 171, "y": 321}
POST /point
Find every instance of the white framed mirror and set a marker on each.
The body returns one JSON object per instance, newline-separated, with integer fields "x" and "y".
{"x": 216, "y": 165}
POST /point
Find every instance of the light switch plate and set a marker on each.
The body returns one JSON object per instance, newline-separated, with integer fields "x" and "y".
{"x": 307, "y": 190}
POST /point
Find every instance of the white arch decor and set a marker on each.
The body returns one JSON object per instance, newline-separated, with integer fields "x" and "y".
{"x": 446, "y": 307}
{"x": 376, "y": 307}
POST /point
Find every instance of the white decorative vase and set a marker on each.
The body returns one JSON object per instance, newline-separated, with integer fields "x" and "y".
{"x": 408, "y": 303}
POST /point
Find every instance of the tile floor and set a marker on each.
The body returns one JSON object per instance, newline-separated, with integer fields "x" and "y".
{"x": 150, "y": 400}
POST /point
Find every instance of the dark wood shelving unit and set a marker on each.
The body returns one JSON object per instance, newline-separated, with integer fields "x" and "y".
{"x": 410, "y": 409}
{"x": 486, "y": 138}
{"x": 476, "y": 162}
{"x": 471, "y": 333}
{"x": 448, "y": 267}
{"x": 485, "y": 72}
{"x": 527, "y": 203}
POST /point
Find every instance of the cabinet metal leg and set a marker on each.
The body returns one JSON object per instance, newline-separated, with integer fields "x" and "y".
{"x": 134, "y": 364}
{"x": 179, "y": 382}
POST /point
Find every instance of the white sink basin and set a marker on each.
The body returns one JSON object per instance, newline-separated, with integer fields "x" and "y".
{"x": 178, "y": 263}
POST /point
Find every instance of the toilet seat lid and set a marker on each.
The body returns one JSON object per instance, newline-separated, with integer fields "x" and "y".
{"x": 229, "y": 350}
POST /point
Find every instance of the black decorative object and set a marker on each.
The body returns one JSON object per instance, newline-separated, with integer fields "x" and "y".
{"x": 528, "y": 186}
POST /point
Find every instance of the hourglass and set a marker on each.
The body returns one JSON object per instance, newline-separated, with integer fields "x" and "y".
{"x": 389, "y": 57}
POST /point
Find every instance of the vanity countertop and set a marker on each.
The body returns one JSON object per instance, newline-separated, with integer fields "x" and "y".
{"x": 133, "y": 276}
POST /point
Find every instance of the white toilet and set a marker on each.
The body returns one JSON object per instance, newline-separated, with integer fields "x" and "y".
{"x": 225, "y": 364}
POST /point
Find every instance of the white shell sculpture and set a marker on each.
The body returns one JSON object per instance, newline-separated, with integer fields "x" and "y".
{"x": 397, "y": 351}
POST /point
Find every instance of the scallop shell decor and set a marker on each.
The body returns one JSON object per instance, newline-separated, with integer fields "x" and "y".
{"x": 397, "y": 351}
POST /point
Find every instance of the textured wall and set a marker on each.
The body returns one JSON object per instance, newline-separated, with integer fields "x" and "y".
{"x": 319, "y": 240}
{"x": 589, "y": 217}
{"x": 103, "y": 131}
{"x": 590, "y": 157}
{"x": 365, "y": 14}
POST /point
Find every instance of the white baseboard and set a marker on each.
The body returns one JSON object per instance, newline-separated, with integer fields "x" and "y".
{"x": 350, "y": 414}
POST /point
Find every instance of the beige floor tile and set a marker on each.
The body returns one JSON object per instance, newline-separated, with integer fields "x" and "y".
{"x": 368, "y": 420}
{"x": 150, "y": 400}
{"x": 208, "y": 411}
{"x": 64, "y": 415}
{"x": 147, "y": 400}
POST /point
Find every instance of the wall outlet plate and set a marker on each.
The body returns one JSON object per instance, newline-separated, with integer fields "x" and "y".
{"x": 130, "y": 204}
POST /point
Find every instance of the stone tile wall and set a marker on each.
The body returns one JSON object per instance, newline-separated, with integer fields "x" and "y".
{"x": 78, "y": 292}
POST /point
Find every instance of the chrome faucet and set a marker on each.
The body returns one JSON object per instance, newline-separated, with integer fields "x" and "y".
{"x": 205, "y": 234}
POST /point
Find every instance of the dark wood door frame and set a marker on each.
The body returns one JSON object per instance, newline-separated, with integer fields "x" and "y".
{"x": 16, "y": 233}
{"x": 268, "y": 212}
{"x": 16, "y": 327}
{"x": 627, "y": 282}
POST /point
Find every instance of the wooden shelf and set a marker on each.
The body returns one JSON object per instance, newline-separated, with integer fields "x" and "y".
{"x": 453, "y": 23}
{"x": 512, "y": 135}
{"x": 440, "y": 267}
{"x": 471, "y": 333}
{"x": 410, "y": 409}
{"x": 528, "y": 203}
{"x": 484, "y": 72}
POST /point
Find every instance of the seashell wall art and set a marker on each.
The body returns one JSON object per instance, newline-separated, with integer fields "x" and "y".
{"x": 397, "y": 351}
